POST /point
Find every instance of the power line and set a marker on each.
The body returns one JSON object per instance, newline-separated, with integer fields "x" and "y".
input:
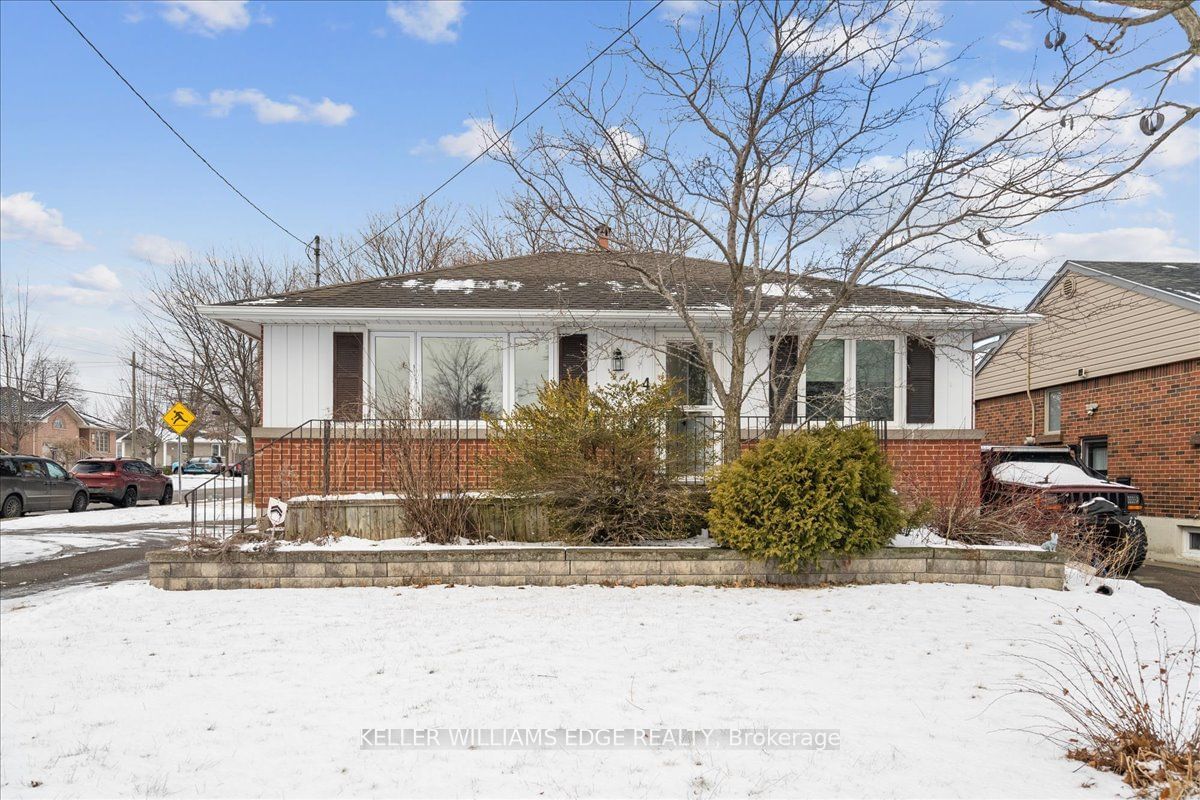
{"x": 170, "y": 127}
{"x": 502, "y": 137}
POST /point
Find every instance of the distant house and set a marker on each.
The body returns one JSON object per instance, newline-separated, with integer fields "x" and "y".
{"x": 230, "y": 448}
{"x": 53, "y": 428}
{"x": 461, "y": 342}
{"x": 1113, "y": 371}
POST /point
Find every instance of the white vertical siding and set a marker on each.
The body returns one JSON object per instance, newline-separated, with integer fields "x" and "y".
{"x": 298, "y": 369}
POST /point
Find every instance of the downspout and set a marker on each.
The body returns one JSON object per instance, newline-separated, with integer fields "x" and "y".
{"x": 1029, "y": 384}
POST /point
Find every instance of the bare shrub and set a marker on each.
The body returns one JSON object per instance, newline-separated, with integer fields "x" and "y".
{"x": 421, "y": 467}
{"x": 1121, "y": 709}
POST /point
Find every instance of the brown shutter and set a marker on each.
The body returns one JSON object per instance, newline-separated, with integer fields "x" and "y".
{"x": 572, "y": 357}
{"x": 347, "y": 376}
{"x": 920, "y": 380}
{"x": 783, "y": 363}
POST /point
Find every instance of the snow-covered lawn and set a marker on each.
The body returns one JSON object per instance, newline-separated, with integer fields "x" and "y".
{"x": 127, "y": 690}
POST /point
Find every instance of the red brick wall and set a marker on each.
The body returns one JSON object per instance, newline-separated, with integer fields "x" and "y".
{"x": 942, "y": 470}
{"x": 295, "y": 467}
{"x": 1149, "y": 416}
{"x": 945, "y": 471}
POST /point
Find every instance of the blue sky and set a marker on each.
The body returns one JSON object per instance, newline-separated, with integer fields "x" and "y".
{"x": 325, "y": 112}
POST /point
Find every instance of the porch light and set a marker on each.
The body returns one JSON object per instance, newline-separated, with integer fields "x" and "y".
{"x": 618, "y": 361}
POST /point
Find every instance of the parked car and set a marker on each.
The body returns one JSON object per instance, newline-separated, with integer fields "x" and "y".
{"x": 38, "y": 484}
{"x": 1063, "y": 486}
{"x": 123, "y": 481}
{"x": 235, "y": 470}
{"x": 200, "y": 465}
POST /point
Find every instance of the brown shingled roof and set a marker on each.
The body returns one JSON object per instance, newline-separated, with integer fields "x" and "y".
{"x": 578, "y": 281}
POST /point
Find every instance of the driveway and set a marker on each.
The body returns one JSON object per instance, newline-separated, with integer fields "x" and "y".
{"x": 101, "y": 545}
{"x": 1182, "y": 583}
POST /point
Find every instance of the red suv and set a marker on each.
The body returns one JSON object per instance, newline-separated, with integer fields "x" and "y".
{"x": 122, "y": 481}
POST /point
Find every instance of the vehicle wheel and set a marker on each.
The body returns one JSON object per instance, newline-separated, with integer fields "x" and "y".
{"x": 13, "y": 507}
{"x": 80, "y": 503}
{"x": 129, "y": 499}
{"x": 167, "y": 495}
{"x": 1132, "y": 549}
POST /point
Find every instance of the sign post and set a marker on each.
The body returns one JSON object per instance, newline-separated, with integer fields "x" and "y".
{"x": 179, "y": 418}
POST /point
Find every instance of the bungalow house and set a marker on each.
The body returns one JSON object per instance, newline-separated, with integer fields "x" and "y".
{"x": 460, "y": 342}
{"x": 1113, "y": 371}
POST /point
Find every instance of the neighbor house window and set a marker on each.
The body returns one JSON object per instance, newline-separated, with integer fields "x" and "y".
{"x": 58, "y": 423}
{"x": 393, "y": 376}
{"x": 100, "y": 441}
{"x": 462, "y": 377}
{"x": 1053, "y": 410}
{"x": 686, "y": 371}
{"x": 875, "y": 379}
{"x": 825, "y": 380}
{"x": 531, "y": 368}
{"x": 1095, "y": 454}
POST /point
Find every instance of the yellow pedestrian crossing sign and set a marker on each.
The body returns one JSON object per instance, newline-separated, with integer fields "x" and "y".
{"x": 179, "y": 418}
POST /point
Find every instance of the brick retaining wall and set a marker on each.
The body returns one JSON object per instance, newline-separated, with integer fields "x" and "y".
{"x": 561, "y": 566}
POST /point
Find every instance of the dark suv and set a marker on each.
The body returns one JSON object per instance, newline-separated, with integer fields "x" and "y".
{"x": 1064, "y": 487}
{"x": 38, "y": 484}
{"x": 123, "y": 481}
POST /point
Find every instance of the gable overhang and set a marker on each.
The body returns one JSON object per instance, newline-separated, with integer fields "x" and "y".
{"x": 982, "y": 323}
{"x": 1183, "y": 301}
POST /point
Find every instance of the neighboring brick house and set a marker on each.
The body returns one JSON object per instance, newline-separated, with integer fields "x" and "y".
{"x": 454, "y": 345}
{"x": 53, "y": 428}
{"x": 1113, "y": 371}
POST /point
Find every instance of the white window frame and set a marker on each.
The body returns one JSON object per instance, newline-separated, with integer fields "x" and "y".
{"x": 667, "y": 338}
{"x": 1046, "y": 410}
{"x": 412, "y": 370}
{"x": 509, "y": 343}
{"x": 1186, "y": 548}
{"x": 852, "y": 375}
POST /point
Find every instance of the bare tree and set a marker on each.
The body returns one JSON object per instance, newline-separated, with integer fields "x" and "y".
{"x": 53, "y": 378}
{"x": 391, "y": 244}
{"x": 814, "y": 149}
{"x": 215, "y": 369}
{"x": 21, "y": 349}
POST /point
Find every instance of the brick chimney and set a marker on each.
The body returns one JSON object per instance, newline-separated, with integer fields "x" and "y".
{"x": 602, "y": 234}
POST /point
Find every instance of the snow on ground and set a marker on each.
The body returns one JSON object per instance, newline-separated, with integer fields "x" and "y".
{"x": 192, "y": 481}
{"x": 99, "y": 518}
{"x": 926, "y": 537}
{"x": 19, "y": 549}
{"x": 128, "y": 690}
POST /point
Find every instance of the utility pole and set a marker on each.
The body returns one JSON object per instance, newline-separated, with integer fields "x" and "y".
{"x": 316, "y": 248}
{"x": 133, "y": 403}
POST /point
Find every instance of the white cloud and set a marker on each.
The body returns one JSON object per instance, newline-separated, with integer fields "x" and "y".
{"x": 23, "y": 217}
{"x": 155, "y": 249}
{"x": 1114, "y": 244}
{"x": 206, "y": 17}
{"x": 433, "y": 21}
{"x": 681, "y": 11}
{"x": 94, "y": 286}
{"x": 471, "y": 142}
{"x": 220, "y": 102}
{"x": 1016, "y": 36}
{"x": 98, "y": 278}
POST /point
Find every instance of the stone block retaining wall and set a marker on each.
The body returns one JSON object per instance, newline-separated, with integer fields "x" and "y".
{"x": 561, "y": 566}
